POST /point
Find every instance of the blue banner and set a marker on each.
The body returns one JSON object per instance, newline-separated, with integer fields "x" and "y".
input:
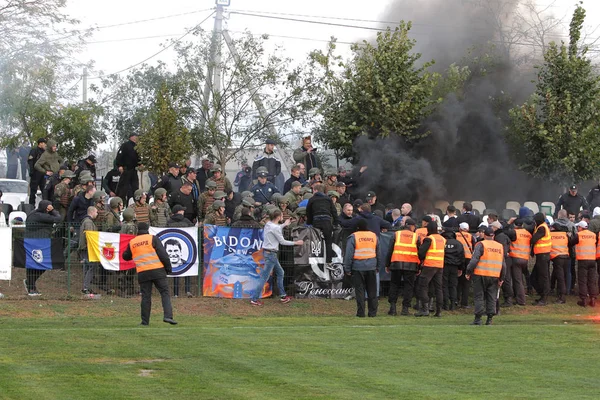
{"x": 42, "y": 254}
{"x": 234, "y": 263}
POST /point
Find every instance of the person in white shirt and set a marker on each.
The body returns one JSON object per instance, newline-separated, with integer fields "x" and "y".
{"x": 273, "y": 237}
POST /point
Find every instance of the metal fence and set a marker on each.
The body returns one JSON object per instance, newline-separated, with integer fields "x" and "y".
{"x": 67, "y": 282}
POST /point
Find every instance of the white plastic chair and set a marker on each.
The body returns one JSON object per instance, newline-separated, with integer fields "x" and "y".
{"x": 14, "y": 215}
{"x": 442, "y": 205}
{"x": 549, "y": 204}
{"x": 458, "y": 204}
{"x": 478, "y": 205}
{"x": 532, "y": 205}
{"x": 513, "y": 205}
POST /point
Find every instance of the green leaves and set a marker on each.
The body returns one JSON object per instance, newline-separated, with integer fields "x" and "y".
{"x": 380, "y": 91}
{"x": 555, "y": 134}
{"x": 164, "y": 137}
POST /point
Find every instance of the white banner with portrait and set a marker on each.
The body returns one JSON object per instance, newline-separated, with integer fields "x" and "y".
{"x": 181, "y": 245}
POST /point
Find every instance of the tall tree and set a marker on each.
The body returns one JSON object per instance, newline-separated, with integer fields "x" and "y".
{"x": 164, "y": 137}
{"x": 37, "y": 41}
{"x": 555, "y": 134}
{"x": 384, "y": 90}
{"x": 260, "y": 94}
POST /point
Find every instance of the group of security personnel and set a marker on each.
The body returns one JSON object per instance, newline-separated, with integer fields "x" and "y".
{"x": 427, "y": 261}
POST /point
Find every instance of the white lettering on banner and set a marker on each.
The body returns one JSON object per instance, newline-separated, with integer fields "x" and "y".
{"x": 6, "y": 262}
{"x": 232, "y": 242}
{"x": 307, "y": 289}
{"x": 335, "y": 269}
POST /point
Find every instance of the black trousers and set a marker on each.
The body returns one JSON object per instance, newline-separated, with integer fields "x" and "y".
{"x": 560, "y": 265}
{"x": 540, "y": 278}
{"x": 326, "y": 227}
{"x": 32, "y": 277}
{"x": 517, "y": 269}
{"x": 435, "y": 275}
{"x": 162, "y": 286}
{"x": 450, "y": 284}
{"x": 407, "y": 290}
{"x": 187, "y": 282}
{"x": 587, "y": 278}
{"x": 128, "y": 184}
{"x": 485, "y": 294}
{"x": 365, "y": 280}
{"x": 464, "y": 286}
{"x": 507, "y": 286}
{"x": 37, "y": 181}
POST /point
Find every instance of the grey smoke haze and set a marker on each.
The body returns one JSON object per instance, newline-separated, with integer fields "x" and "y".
{"x": 465, "y": 157}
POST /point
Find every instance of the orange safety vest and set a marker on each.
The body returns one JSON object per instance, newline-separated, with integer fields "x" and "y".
{"x": 598, "y": 251}
{"x": 586, "y": 248}
{"x": 543, "y": 245}
{"x": 467, "y": 241}
{"x": 560, "y": 244}
{"x": 365, "y": 245}
{"x": 421, "y": 233}
{"x": 490, "y": 263}
{"x": 521, "y": 247}
{"x": 435, "y": 255}
{"x": 143, "y": 254}
{"x": 405, "y": 247}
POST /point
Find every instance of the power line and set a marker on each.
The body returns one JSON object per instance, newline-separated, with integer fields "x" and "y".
{"x": 77, "y": 31}
{"x": 63, "y": 94}
{"x": 266, "y": 14}
{"x": 133, "y": 38}
{"x": 158, "y": 52}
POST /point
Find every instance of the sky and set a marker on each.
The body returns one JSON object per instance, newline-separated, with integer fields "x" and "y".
{"x": 119, "y": 47}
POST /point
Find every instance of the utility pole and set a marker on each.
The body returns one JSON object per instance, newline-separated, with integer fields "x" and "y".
{"x": 213, "y": 73}
{"x": 85, "y": 76}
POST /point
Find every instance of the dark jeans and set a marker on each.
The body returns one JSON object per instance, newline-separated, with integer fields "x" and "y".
{"x": 429, "y": 274}
{"x": 560, "y": 265}
{"x": 32, "y": 277}
{"x": 326, "y": 227}
{"x": 485, "y": 294}
{"x": 540, "y": 278}
{"x": 408, "y": 287}
{"x": 365, "y": 280}
{"x": 517, "y": 269}
{"x": 36, "y": 182}
{"x": 587, "y": 278}
{"x": 450, "y": 284}
{"x": 162, "y": 286}
{"x": 128, "y": 184}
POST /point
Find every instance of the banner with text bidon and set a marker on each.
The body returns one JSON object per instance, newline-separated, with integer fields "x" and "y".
{"x": 234, "y": 266}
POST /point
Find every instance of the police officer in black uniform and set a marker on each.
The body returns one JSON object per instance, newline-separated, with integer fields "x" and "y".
{"x": 454, "y": 261}
{"x": 126, "y": 161}
{"x": 36, "y": 178}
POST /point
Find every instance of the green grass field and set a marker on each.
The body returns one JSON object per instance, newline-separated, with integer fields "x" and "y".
{"x": 307, "y": 349}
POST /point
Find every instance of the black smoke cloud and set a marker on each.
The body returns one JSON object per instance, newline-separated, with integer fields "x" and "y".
{"x": 465, "y": 157}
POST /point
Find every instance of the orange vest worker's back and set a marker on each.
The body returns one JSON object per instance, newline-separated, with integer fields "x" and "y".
{"x": 143, "y": 254}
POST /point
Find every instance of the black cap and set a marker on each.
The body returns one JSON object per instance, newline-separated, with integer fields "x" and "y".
{"x": 357, "y": 202}
{"x": 270, "y": 141}
{"x": 518, "y": 222}
{"x": 190, "y": 170}
{"x": 410, "y": 221}
{"x": 134, "y": 134}
{"x": 41, "y": 140}
{"x": 173, "y": 165}
{"x": 488, "y": 232}
{"x": 371, "y": 194}
{"x": 427, "y": 219}
{"x": 340, "y": 184}
{"x": 92, "y": 158}
{"x": 573, "y": 187}
{"x": 143, "y": 228}
{"x": 177, "y": 208}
